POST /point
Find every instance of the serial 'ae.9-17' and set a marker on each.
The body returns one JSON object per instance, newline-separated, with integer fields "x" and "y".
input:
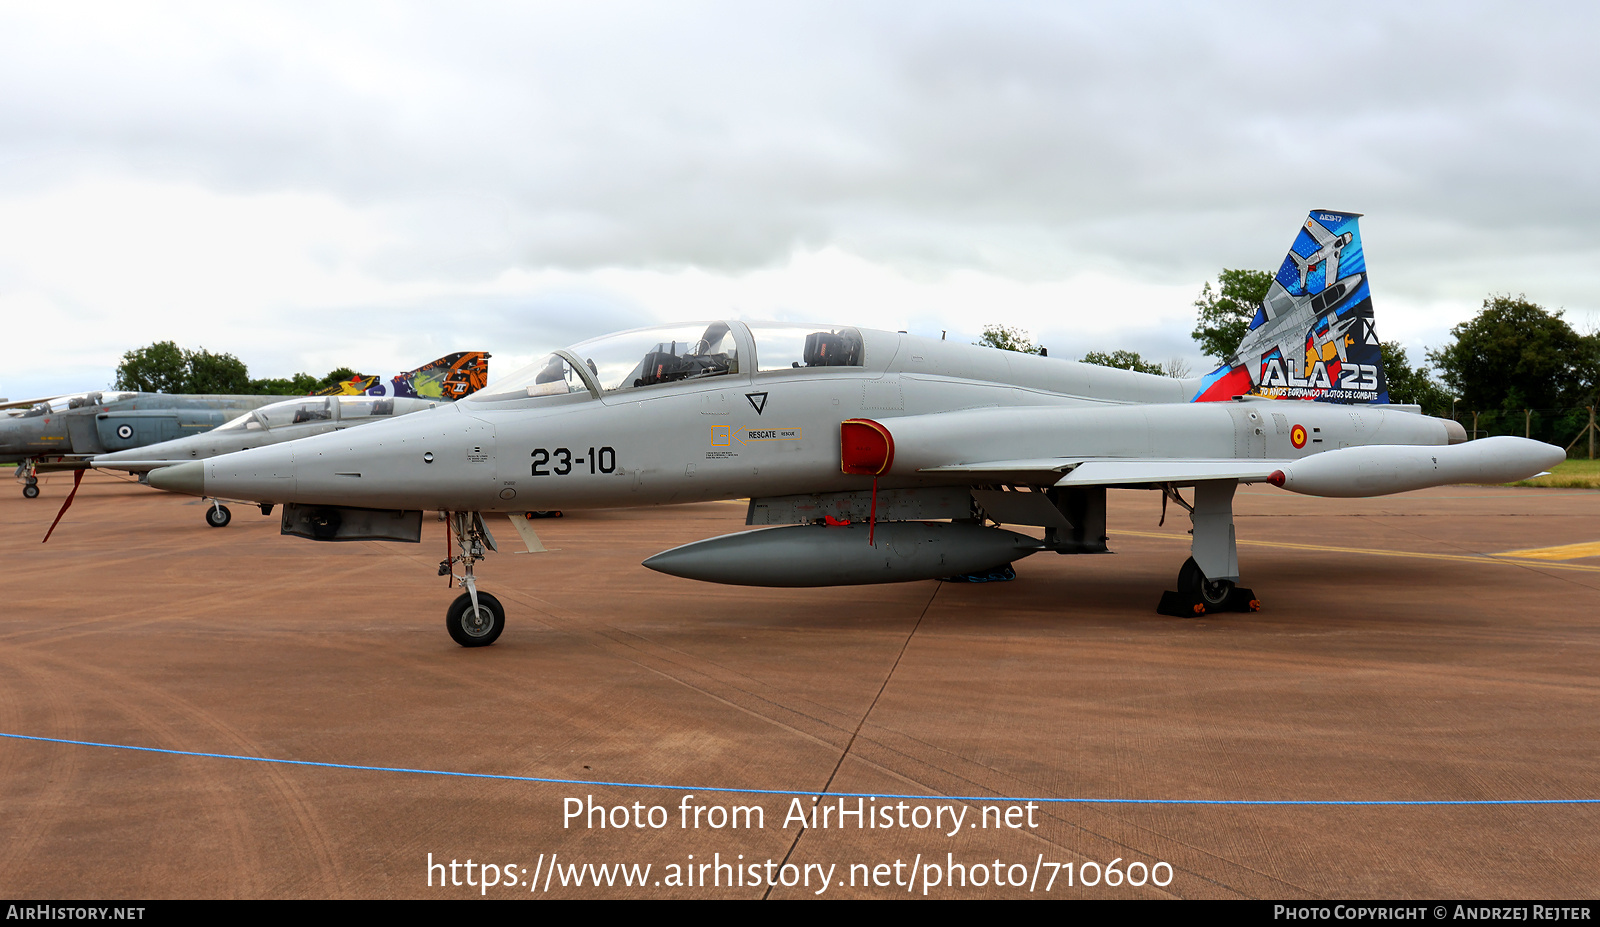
{"x": 883, "y": 457}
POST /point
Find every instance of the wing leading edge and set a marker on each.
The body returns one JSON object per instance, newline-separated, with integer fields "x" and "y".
{"x": 1113, "y": 471}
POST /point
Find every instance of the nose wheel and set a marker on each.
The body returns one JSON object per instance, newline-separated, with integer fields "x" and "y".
{"x": 475, "y": 625}
{"x": 30, "y": 491}
{"x": 218, "y": 516}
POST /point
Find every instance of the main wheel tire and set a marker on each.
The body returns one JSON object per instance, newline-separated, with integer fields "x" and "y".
{"x": 325, "y": 523}
{"x": 475, "y": 631}
{"x": 218, "y": 516}
{"x": 30, "y": 491}
{"x": 1192, "y": 580}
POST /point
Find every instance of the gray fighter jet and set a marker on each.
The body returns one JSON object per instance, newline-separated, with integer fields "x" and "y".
{"x": 287, "y": 420}
{"x": 71, "y": 429}
{"x": 872, "y": 457}
{"x": 107, "y": 420}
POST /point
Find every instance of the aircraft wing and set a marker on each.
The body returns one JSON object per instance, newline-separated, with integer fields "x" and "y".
{"x": 1126, "y": 471}
{"x": 63, "y": 462}
{"x": 1043, "y": 472}
{"x": 24, "y": 403}
{"x": 133, "y": 466}
{"x": 1112, "y": 471}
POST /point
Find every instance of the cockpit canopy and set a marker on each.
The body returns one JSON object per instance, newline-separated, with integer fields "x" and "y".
{"x": 74, "y": 401}
{"x": 308, "y": 409}
{"x": 674, "y": 354}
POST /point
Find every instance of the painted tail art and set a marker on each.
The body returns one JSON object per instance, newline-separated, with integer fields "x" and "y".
{"x": 449, "y": 378}
{"x": 1312, "y": 337}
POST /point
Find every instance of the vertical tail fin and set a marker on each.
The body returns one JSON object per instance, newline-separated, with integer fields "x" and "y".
{"x": 355, "y": 386}
{"x": 449, "y": 378}
{"x": 1312, "y": 337}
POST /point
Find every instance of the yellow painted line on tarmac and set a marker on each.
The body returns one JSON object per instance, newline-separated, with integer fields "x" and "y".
{"x": 1416, "y": 555}
{"x": 1564, "y": 552}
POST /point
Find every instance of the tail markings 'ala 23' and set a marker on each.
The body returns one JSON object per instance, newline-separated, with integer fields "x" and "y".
{"x": 1312, "y": 337}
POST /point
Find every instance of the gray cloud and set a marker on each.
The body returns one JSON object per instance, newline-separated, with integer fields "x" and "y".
{"x": 1156, "y": 140}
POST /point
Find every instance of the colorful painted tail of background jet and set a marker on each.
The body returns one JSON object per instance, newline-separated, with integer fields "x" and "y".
{"x": 1312, "y": 337}
{"x": 449, "y": 378}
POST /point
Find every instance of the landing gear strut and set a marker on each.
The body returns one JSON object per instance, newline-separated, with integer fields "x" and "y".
{"x": 1208, "y": 581}
{"x": 475, "y": 619}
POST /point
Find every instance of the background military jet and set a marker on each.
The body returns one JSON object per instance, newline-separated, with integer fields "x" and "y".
{"x": 108, "y": 421}
{"x": 872, "y": 456}
{"x": 288, "y": 420}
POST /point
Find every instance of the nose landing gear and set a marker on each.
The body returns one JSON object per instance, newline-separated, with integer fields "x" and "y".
{"x": 474, "y": 619}
{"x": 29, "y": 478}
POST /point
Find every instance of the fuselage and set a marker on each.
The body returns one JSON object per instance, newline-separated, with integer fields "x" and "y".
{"x": 756, "y": 429}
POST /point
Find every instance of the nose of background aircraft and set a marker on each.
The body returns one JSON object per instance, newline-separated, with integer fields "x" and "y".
{"x": 185, "y": 478}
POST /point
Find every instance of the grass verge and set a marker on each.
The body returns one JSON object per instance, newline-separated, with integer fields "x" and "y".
{"x": 1569, "y": 474}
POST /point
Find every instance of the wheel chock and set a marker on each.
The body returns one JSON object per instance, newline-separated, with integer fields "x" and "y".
{"x": 1191, "y": 605}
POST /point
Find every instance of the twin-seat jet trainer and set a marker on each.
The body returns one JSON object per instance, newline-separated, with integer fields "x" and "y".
{"x": 882, "y": 457}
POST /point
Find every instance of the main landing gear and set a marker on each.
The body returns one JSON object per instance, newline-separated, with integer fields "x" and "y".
{"x": 1208, "y": 580}
{"x": 474, "y": 619}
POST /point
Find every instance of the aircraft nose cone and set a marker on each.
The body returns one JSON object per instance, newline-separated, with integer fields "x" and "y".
{"x": 185, "y": 478}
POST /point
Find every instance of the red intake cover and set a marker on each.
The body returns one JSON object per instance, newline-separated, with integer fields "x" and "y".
{"x": 865, "y": 447}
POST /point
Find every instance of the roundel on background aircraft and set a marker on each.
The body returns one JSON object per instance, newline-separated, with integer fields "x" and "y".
{"x": 1297, "y": 436}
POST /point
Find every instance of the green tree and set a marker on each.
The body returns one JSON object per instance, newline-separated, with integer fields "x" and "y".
{"x": 164, "y": 367}
{"x": 1123, "y": 360}
{"x": 1225, "y": 312}
{"x": 1008, "y": 339}
{"x": 214, "y": 373}
{"x": 335, "y": 377}
{"x": 1413, "y": 385}
{"x": 156, "y": 368}
{"x": 1516, "y": 354}
{"x": 301, "y": 384}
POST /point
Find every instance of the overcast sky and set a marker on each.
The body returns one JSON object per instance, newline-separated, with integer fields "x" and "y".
{"x": 309, "y": 186}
